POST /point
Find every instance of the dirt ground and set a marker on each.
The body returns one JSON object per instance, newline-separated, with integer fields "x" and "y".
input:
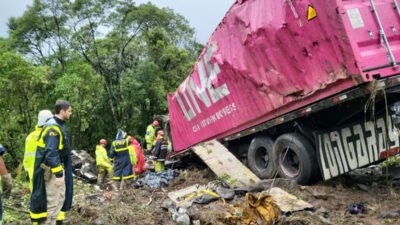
{"x": 142, "y": 206}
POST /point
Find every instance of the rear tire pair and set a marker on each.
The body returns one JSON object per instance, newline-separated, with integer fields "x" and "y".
{"x": 291, "y": 156}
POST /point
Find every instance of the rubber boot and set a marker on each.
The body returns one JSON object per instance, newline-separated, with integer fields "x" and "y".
{"x": 159, "y": 166}
{"x": 114, "y": 186}
{"x": 100, "y": 178}
{"x": 123, "y": 184}
{"x": 59, "y": 222}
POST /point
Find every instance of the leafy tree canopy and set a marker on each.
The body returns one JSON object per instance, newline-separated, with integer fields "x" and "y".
{"x": 115, "y": 61}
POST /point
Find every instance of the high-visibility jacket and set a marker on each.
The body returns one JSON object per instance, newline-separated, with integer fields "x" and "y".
{"x": 30, "y": 151}
{"x": 150, "y": 134}
{"x": 53, "y": 150}
{"x": 121, "y": 151}
{"x": 102, "y": 157}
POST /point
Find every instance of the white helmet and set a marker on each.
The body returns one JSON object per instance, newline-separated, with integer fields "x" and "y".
{"x": 44, "y": 115}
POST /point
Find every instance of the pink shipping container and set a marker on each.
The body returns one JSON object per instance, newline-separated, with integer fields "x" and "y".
{"x": 266, "y": 59}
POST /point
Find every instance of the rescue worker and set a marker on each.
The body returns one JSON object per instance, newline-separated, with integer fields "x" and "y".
{"x": 150, "y": 134}
{"x": 52, "y": 174}
{"x": 159, "y": 135}
{"x": 30, "y": 144}
{"x": 122, "y": 153}
{"x": 6, "y": 181}
{"x": 103, "y": 163}
{"x": 160, "y": 152}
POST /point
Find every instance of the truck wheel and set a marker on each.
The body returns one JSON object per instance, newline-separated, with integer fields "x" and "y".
{"x": 259, "y": 157}
{"x": 296, "y": 158}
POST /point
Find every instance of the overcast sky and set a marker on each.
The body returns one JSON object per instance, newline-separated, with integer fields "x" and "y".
{"x": 203, "y": 15}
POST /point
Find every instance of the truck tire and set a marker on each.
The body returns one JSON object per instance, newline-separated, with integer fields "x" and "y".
{"x": 296, "y": 158}
{"x": 259, "y": 157}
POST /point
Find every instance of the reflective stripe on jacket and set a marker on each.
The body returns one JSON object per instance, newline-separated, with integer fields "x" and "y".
{"x": 53, "y": 150}
{"x": 30, "y": 151}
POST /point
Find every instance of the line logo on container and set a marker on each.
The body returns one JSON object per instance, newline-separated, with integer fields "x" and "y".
{"x": 191, "y": 93}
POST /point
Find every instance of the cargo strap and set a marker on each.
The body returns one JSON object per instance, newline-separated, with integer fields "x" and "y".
{"x": 383, "y": 38}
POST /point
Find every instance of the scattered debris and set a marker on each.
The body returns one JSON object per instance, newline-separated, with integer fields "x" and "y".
{"x": 390, "y": 214}
{"x": 356, "y": 208}
{"x": 200, "y": 194}
{"x": 260, "y": 209}
{"x": 144, "y": 205}
{"x": 155, "y": 180}
{"x": 288, "y": 202}
{"x": 179, "y": 215}
{"x": 196, "y": 222}
{"x": 169, "y": 163}
{"x": 225, "y": 193}
{"x": 84, "y": 165}
{"x": 363, "y": 187}
{"x": 394, "y": 170}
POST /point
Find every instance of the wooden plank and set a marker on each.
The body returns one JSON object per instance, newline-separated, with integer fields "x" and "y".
{"x": 224, "y": 164}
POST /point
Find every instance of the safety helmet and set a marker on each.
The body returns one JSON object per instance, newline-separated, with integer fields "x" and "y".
{"x": 160, "y": 132}
{"x": 121, "y": 135}
{"x": 156, "y": 123}
{"x": 103, "y": 141}
{"x": 43, "y": 116}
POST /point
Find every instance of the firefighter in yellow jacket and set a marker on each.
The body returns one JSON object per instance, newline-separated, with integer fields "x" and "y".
{"x": 103, "y": 163}
{"x": 31, "y": 144}
{"x": 150, "y": 134}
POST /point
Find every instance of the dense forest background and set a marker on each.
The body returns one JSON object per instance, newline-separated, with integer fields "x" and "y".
{"x": 115, "y": 61}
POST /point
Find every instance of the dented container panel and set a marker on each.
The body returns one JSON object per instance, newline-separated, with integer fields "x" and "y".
{"x": 267, "y": 58}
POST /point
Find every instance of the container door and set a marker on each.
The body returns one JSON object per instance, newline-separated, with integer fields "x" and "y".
{"x": 373, "y": 28}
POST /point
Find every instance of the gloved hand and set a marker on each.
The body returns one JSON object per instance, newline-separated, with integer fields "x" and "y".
{"x": 47, "y": 172}
{"x": 7, "y": 182}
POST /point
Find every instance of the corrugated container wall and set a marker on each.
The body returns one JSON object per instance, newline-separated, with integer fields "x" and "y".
{"x": 269, "y": 57}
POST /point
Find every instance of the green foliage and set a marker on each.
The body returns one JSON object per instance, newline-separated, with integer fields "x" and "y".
{"x": 84, "y": 89}
{"x": 392, "y": 161}
{"x": 115, "y": 61}
{"x": 23, "y": 90}
{"x": 15, "y": 212}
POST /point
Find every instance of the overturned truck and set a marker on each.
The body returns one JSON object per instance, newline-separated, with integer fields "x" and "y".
{"x": 302, "y": 88}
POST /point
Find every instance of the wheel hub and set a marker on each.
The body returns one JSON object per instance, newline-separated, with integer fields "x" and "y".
{"x": 290, "y": 163}
{"x": 262, "y": 157}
